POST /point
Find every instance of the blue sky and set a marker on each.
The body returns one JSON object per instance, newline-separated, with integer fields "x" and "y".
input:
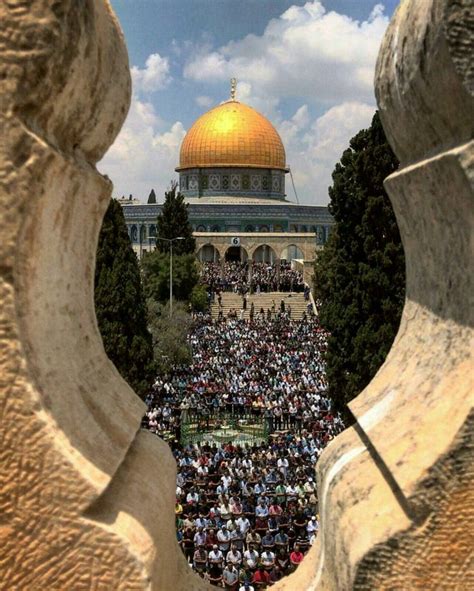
{"x": 308, "y": 66}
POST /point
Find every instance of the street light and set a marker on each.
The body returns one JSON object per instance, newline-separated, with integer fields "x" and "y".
{"x": 171, "y": 240}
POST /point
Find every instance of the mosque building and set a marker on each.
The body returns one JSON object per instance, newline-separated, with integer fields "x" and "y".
{"x": 233, "y": 174}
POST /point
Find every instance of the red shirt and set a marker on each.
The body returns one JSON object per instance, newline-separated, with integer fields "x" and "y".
{"x": 296, "y": 557}
{"x": 261, "y": 576}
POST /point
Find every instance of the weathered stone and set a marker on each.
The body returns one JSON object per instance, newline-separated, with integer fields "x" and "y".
{"x": 86, "y": 500}
{"x": 396, "y": 490}
{"x": 82, "y": 492}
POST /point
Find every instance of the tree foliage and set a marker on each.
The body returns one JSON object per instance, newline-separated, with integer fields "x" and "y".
{"x": 120, "y": 305}
{"x": 360, "y": 275}
{"x": 170, "y": 344}
{"x": 199, "y": 300}
{"x": 173, "y": 221}
{"x": 152, "y": 197}
{"x": 156, "y": 276}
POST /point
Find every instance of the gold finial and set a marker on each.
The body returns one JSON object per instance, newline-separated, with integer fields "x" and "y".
{"x": 233, "y": 88}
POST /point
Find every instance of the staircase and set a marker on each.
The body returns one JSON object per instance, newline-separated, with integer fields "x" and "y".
{"x": 264, "y": 300}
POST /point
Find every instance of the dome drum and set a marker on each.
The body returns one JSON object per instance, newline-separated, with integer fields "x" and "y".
{"x": 239, "y": 182}
{"x": 232, "y": 150}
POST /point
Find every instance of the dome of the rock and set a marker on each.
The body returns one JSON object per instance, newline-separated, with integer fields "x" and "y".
{"x": 232, "y": 171}
{"x": 232, "y": 134}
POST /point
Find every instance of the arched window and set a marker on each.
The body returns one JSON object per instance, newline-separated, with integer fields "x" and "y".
{"x": 201, "y": 228}
{"x": 236, "y": 253}
{"x": 208, "y": 254}
{"x": 249, "y": 228}
{"x": 264, "y": 254}
{"x": 134, "y": 233}
{"x": 215, "y": 228}
{"x": 291, "y": 252}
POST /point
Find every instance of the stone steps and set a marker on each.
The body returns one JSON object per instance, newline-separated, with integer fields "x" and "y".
{"x": 264, "y": 300}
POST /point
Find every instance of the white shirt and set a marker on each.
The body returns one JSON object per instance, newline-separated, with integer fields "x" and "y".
{"x": 244, "y": 524}
{"x": 234, "y": 557}
{"x": 251, "y": 558}
{"x": 267, "y": 557}
{"x": 215, "y": 555}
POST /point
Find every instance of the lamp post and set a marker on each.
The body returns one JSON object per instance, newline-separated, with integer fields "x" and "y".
{"x": 171, "y": 240}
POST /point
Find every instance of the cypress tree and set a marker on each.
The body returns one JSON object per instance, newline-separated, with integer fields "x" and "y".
{"x": 152, "y": 197}
{"x": 120, "y": 305}
{"x": 360, "y": 275}
{"x": 173, "y": 221}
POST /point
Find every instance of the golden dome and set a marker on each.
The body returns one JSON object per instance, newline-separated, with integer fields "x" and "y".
{"x": 232, "y": 134}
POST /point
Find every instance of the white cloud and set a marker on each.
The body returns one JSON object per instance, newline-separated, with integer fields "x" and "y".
{"x": 144, "y": 154}
{"x": 322, "y": 59}
{"x": 154, "y": 76}
{"x": 313, "y": 150}
{"x": 204, "y": 101}
{"x": 265, "y": 104}
{"x": 308, "y": 52}
{"x": 146, "y": 151}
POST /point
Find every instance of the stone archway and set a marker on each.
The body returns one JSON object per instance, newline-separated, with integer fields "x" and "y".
{"x": 264, "y": 254}
{"x": 236, "y": 254}
{"x": 290, "y": 252}
{"x": 208, "y": 253}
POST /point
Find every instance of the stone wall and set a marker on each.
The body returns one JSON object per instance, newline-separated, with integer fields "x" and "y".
{"x": 86, "y": 498}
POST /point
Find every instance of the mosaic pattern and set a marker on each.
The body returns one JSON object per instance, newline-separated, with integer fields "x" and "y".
{"x": 215, "y": 182}
{"x": 256, "y": 182}
{"x": 193, "y": 183}
{"x": 232, "y": 134}
{"x": 235, "y": 182}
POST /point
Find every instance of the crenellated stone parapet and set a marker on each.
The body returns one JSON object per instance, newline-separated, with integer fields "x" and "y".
{"x": 86, "y": 499}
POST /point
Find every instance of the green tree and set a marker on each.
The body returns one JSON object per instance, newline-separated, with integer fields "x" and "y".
{"x": 360, "y": 274}
{"x": 152, "y": 197}
{"x": 198, "y": 298}
{"x": 173, "y": 221}
{"x": 120, "y": 305}
{"x": 170, "y": 344}
{"x": 156, "y": 275}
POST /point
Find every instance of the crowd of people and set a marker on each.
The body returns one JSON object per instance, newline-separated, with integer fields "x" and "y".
{"x": 252, "y": 278}
{"x": 246, "y": 514}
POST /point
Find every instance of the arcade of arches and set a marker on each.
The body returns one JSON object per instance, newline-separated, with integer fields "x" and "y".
{"x": 264, "y": 253}
{"x": 267, "y": 248}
